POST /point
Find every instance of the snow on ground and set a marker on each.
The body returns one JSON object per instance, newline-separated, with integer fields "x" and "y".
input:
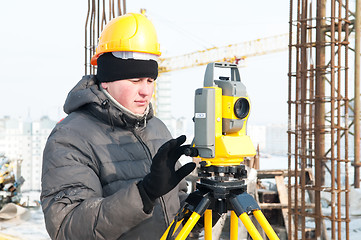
{"x": 29, "y": 226}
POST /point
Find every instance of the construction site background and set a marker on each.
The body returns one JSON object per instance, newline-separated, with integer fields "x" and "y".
{"x": 311, "y": 84}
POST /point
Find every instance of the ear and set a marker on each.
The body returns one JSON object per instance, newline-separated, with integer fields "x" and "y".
{"x": 104, "y": 85}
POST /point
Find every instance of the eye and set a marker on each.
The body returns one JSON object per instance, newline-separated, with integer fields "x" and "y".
{"x": 135, "y": 80}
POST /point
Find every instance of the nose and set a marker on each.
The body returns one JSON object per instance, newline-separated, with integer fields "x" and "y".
{"x": 146, "y": 88}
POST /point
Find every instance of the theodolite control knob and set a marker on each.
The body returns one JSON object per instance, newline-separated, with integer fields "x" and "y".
{"x": 191, "y": 152}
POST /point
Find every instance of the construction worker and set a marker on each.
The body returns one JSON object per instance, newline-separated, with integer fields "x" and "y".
{"x": 110, "y": 168}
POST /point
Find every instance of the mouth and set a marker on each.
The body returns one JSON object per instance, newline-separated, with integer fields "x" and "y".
{"x": 141, "y": 102}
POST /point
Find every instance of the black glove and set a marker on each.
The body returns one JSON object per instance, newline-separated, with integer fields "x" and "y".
{"x": 163, "y": 177}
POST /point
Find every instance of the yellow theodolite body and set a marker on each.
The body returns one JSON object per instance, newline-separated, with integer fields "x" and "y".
{"x": 221, "y": 111}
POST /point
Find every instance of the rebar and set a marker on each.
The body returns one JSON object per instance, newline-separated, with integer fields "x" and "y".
{"x": 96, "y": 19}
{"x": 357, "y": 95}
{"x": 318, "y": 123}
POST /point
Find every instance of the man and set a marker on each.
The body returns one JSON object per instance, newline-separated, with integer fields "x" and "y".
{"x": 110, "y": 168}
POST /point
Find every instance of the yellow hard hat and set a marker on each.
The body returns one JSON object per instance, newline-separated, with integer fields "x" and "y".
{"x": 132, "y": 32}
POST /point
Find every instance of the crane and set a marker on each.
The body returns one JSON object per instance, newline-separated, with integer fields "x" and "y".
{"x": 234, "y": 53}
{"x": 231, "y": 53}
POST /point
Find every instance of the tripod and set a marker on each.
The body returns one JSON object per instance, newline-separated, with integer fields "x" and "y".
{"x": 221, "y": 189}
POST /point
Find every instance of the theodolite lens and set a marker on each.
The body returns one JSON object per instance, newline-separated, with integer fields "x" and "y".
{"x": 241, "y": 108}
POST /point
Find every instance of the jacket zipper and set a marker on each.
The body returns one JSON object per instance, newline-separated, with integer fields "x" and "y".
{"x": 145, "y": 147}
{"x": 147, "y": 151}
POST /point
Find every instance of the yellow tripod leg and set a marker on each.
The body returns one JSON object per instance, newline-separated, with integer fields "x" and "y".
{"x": 165, "y": 234}
{"x": 234, "y": 226}
{"x": 252, "y": 230}
{"x": 193, "y": 219}
{"x": 265, "y": 225}
{"x": 208, "y": 224}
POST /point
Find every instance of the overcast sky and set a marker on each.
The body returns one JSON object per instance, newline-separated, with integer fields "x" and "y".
{"x": 42, "y": 51}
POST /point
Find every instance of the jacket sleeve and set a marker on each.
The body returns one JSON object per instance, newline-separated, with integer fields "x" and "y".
{"x": 72, "y": 199}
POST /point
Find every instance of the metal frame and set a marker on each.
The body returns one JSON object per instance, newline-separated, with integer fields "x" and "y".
{"x": 98, "y": 14}
{"x": 318, "y": 106}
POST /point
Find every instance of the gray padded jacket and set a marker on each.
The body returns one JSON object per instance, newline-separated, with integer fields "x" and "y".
{"x": 92, "y": 162}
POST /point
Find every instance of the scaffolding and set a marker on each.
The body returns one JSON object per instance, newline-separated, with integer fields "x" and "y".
{"x": 318, "y": 119}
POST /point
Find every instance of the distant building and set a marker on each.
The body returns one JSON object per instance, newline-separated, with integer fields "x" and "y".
{"x": 25, "y": 140}
{"x": 271, "y": 139}
{"x": 276, "y": 139}
{"x": 257, "y": 133}
{"x": 177, "y": 126}
{"x": 163, "y": 104}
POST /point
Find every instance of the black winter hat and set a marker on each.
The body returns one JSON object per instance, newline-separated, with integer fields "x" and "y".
{"x": 111, "y": 68}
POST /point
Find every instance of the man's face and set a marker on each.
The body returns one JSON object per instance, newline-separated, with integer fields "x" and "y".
{"x": 134, "y": 94}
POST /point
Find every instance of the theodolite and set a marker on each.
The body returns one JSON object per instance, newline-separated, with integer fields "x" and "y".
{"x": 222, "y": 108}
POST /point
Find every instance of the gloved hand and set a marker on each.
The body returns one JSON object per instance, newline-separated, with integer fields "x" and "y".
{"x": 163, "y": 177}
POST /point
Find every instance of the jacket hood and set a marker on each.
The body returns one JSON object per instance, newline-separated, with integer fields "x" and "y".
{"x": 87, "y": 95}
